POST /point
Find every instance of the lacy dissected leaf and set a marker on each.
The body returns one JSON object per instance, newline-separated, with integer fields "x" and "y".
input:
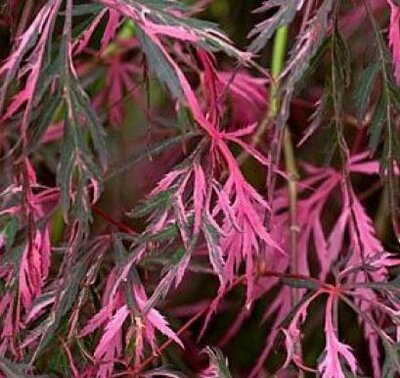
{"x": 306, "y": 46}
{"x": 77, "y": 169}
{"x": 292, "y": 333}
{"x": 155, "y": 22}
{"x": 121, "y": 83}
{"x": 167, "y": 18}
{"x": 41, "y": 26}
{"x": 67, "y": 293}
{"x": 114, "y": 313}
{"x": 330, "y": 366}
{"x": 352, "y": 219}
{"x": 241, "y": 241}
{"x": 34, "y": 267}
{"x": 174, "y": 272}
{"x": 160, "y": 65}
{"x": 43, "y": 120}
{"x": 32, "y": 68}
{"x": 212, "y": 234}
{"x": 246, "y": 96}
{"x": 113, "y": 20}
{"x": 25, "y": 256}
{"x": 285, "y": 12}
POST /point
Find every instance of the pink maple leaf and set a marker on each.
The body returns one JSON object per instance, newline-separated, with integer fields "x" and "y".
{"x": 42, "y": 25}
{"x": 34, "y": 267}
{"x": 113, "y": 19}
{"x": 247, "y": 96}
{"x": 293, "y": 332}
{"x": 35, "y": 259}
{"x": 330, "y": 366}
{"x": 119, "y": 83}
{"x": 114, "y": 313}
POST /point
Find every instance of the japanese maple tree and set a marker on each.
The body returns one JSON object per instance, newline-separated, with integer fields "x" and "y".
{"x": 176, "y": 202}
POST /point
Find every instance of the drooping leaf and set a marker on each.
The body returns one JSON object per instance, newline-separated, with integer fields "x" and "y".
{"x": 284, "y": 14}
{"x": 162, "y": 68}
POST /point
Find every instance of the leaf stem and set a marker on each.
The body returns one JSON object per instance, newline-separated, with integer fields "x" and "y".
{"x": 109, "y": 219}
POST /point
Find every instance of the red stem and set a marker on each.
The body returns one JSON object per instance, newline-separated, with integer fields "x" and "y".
{"x": 123, "y": 227}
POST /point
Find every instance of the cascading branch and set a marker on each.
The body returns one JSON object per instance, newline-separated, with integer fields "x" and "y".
{"x": 83, "y": 294}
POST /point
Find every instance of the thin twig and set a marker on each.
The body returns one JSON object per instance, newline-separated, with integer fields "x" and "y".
{"x": 291, "y": 169}
{"x": 123, "y": 227}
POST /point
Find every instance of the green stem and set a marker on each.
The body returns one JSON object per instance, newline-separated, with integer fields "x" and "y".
{"x": 278, "y": 59}
{"x": 277, "y": 64}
